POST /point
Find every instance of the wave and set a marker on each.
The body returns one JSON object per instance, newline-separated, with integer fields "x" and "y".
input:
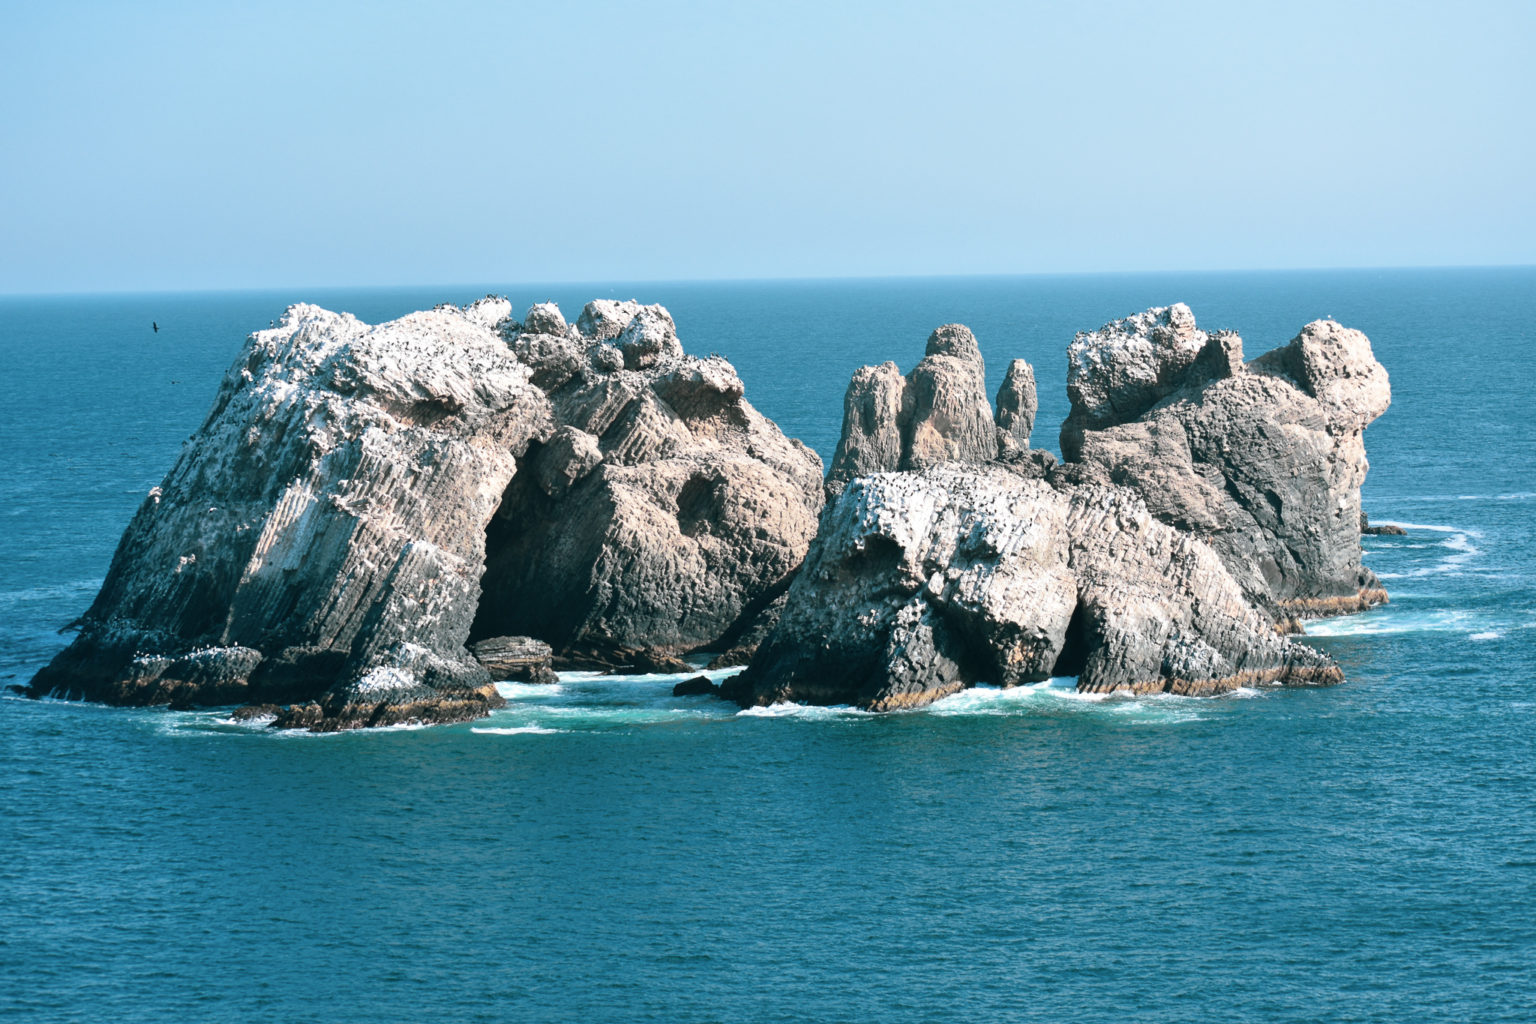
{"x": 811, "y": 711}
{"x": 517, "y": 730}
{"x": 518, "y": 691}
{"x": 1458, "y": 541}
{"x": 1388, "y": 622}
{"x": 50, "y": 592}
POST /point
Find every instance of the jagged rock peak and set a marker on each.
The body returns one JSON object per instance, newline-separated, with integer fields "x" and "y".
{"x": 1017, "y": 404}
{"x": 544, "y": 318}
{"x": 604, "y": 319}
{"x": 1121, "y": 370}
{"x": 953, "y": 340}
{"x": 937, "y": 413}
{"x": 1335, "y": 365}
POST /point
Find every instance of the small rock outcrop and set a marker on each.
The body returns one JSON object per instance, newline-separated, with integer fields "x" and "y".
{"x": 920, "y": 584}
{"x": 1384, "y": 530}
{"x": 364, "y": 502}
{"x": 698, "y": 686}
{"x": 515, "y": 659}
{"x": 1263, "y": 460}
{"x": 937, "y": 413}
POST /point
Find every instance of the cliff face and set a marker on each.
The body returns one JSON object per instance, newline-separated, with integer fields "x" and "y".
{"x": 1263, "y": 460}
{"x": 321, "y": 540}
{"x": 923, "y": 583}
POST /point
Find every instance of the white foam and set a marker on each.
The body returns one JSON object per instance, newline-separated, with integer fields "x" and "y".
{"x": 1458, "y": 542}
{"x": 812, "y": 711}
{"x": 518, "y": 730}
{"x": 514, "y": 691}
{"x": 1487, "y": 634}
{"x": 1387, "y": 622}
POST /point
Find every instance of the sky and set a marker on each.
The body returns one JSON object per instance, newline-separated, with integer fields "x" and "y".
{"x": 171, "y": 146}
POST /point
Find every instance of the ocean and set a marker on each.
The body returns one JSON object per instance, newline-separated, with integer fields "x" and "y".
{"x": 601, "y": 851}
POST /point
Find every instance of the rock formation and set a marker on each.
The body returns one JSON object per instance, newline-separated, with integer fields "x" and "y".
{"x": 937, "y": 413}
{"x": 922, "y": 583}
{"x": 320, "y": 542}
{"x": 375, "y": 524}
{"x": 659, "y": 510}
{"x": 1263, "y": 460}
{"x": 1384, "y": 530}
{"x": 1205, "y": 506}
{"x": 515, "y": 658}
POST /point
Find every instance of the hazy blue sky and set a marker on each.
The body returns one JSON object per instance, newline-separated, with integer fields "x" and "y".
{"x": 210, "y": 145}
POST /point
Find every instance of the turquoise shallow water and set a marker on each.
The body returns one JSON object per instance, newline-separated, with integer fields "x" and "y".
{"x": 601, "y": 851}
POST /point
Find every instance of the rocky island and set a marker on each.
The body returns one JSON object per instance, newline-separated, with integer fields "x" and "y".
{"x": 376, "y": 523}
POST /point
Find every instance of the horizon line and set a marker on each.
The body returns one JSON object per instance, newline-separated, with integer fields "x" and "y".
{"x": 786, "y": 279}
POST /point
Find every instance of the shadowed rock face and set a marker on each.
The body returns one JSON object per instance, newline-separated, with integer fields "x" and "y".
{"x": 922, "y": 583}
{"x": 660, "y": 509}
{"x": 1265, "y": 461}
{"x": 937, "y": 413}
{"x": 320, "y": 542}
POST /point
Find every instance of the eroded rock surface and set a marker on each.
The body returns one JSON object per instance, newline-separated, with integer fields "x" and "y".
{"x": 1264, "y": 460}
{"x": 923, "y": 583}
{"x": 323, "y": 533}
{"x": 515, "y": 658}
{"x": 658, "y": 511}
{"x": 318, "y": 549}
{"x": 937, "y": 413}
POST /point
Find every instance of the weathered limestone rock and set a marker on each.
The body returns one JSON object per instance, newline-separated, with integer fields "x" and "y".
{"x": 654, "y": 517}
{"x": 323, "y": 534}
{"x": 1017, "y": 404}
{"x": 1121, "y": 370}
{"x": 1264, "y": 461}
{"x": 922, "y": 583}
{"x": 649, "y": 338}
{"x": 544, "y": 318}
{"x": 937, "y": 413}
{"x": 319, "y": 547}
{"x": 604, "y": 319}
{"x": 515, "y": 658}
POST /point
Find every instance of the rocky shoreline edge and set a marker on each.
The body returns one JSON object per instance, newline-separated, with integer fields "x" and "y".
{"x": 375, "y": 524}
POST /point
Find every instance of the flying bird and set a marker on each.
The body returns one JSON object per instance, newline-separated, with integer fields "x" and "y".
{"x": 155, "y": 325}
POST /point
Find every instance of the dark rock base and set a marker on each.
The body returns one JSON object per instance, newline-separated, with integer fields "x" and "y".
{"x": 336, "y": 715}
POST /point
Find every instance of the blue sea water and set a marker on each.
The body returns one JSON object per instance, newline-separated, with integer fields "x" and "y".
{"x": 601, "y": 851}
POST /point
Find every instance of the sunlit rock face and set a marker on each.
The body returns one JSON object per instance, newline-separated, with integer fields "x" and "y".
{"x": 923, "y": 583}
{"x": 320, "y": 544}
{"x": 1263, "y": 460}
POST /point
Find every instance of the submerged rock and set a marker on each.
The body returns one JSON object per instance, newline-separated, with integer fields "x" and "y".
{"x": 698, "y": 686}
{"x": 321, "y": 541}
{"x": 1263, "y": 461}
{"x": 922, "y": 583}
